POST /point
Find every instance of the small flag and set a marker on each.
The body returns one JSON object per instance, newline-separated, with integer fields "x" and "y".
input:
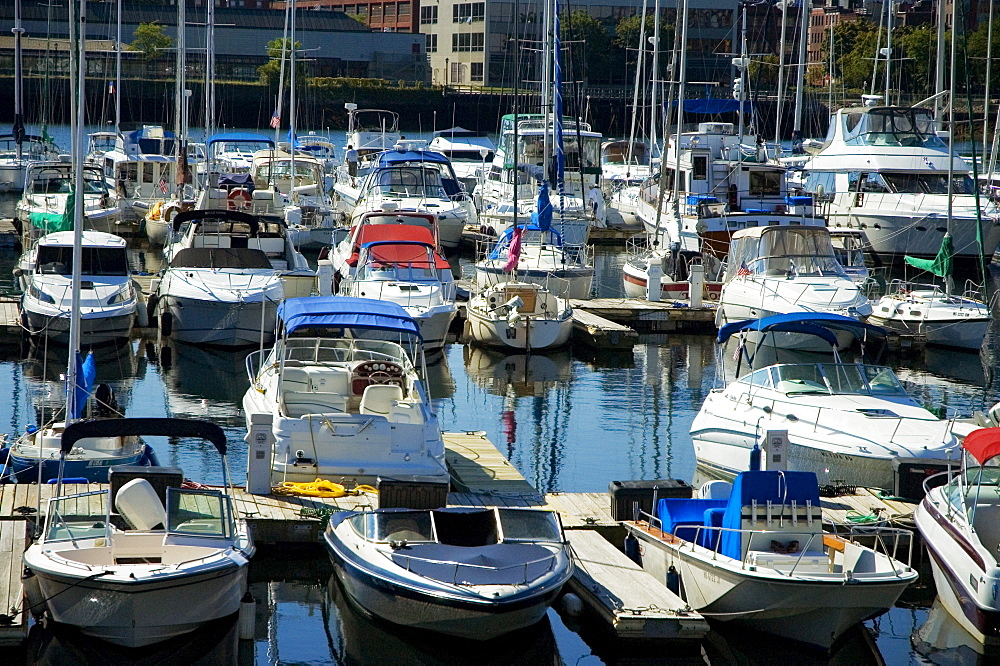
{"x": 275, "y": 121}
{"x": 111, "y": 87}
{"x": 163, "y": 185}
{"x": 744, "y": 271}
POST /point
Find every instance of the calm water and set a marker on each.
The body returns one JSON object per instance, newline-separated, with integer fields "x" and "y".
{"x": 571, "y": 422}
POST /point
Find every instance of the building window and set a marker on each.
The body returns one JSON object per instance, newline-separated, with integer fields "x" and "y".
{"x": 476, "y": 72}
{"x": 403, "y": 10}
{"x": 468, "y": 41}
{"x": 432, "y": 43}
{"x": 468, "y": 12}
{"x": 456, "y": 72}
{"x": 428, "y": 15}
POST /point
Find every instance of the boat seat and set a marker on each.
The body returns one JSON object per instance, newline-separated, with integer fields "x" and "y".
{"x": 299, "y": 403}
{"x": 294, "y": 379}
{"x": 269, "y": 246}
{"x": 378, "y": 398}
{"x": 139, "y": 505}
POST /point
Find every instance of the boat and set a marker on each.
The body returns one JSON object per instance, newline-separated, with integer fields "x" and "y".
{"x": 672, "y": 267}
{"x": 231, "y": 152}
{"x": 403, "y": 267}
{"x": 343, "y": 394}
{"x": 369, "y": 131}
{"x": 320, "y": 148}
{"x": 853, "y": 252}
{"x": 141, "y": 169}
{"x": 470, "y": 572}
{"x": 625, "y": 165}
{"x": 48, "y": 191}
{"x": 533, "y": 254}
{"x": 784, "y": 269}
{"x": 137, "y": 568}
{"x": 846, "y": 421}
{"x": 412, "y": 178}
{"x": 343, "y": 257}
{"x": 957, "y": 519}
{"x": 885, "y": 170}
{"x": 929, "y": 311}
{"x": 519, "y": 316}
{"x": 761, "y": 559}
{"x": 109, "y": 300}
{"x": 468, "y": 151}
{"x": 227, "y": 272}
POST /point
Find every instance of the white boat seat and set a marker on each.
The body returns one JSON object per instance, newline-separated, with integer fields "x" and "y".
{"x": 330, "y": 380}
{"x": 716, "y": 489}
{"x": 378, "y": 398}
{"x": 139, "y": 505}
{"x": 294, "y": 379}
{"x": 299, "y": 403}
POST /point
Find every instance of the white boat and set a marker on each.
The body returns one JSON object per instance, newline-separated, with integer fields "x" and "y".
{"x": 475, "y": 573}
{"x": 761, "y": 559}
{"x": 883, "y": 169}
{"x": 131, "y": 569}
{"x": 671, "y": 266}
{"x": 784, "y": 269}
{"x": 541, "y": 258}
{"x": 624, "y": 167}
{"x": 141, "y": 169}
{"x": 944, "y": 319}
{"x": 845, "y": 421}
{"x": 410, "y": 178}
{"x": 227, "y": 272}
{"x": 320, "y": 148}
{"x": 343, "y": 257}
{"x": 470, "y": 152}
{"x": 47, "y": 187}
{"x": 344, "y": 400}
{"x": 519, "y": 316}
{"x": 958, "y": 520}
{"x": 108, "y": 298}
{"x": 405, "y": 269}
{"x": 231, "y": 152}
{"x": 369, "y": 131}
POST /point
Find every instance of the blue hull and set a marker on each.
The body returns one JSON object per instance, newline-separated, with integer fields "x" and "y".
{"x": 94, "y": 471}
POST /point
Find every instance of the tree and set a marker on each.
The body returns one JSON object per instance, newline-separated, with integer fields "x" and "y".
{"x": 277, "y": 49}
{"x": 149, "y": 38}
{"x": 589, "y": 48}
{"x": 629, "y": 29}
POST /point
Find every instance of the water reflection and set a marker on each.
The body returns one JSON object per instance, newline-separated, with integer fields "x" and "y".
{"x": 941, "y": 640}
{"x": 202, "y": 383}
{"x": 733, "y": 645}
{"x": 517, "y": 375}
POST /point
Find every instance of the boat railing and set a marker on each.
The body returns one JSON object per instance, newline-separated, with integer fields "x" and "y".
{"x": 459, "y": 566}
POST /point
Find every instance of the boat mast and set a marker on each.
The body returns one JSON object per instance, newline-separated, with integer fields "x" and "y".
{"x": 744, "y": 69}
{"x": 18, "y": 84}
{"x": 281, "y": 87}
{"x": 781, "y": 74}
{"x": 888, "y": 52}
{"x": 210, "y": 70}
{"x": 180, "y": 84}
{"x": 118, "y": 67}
{"x": 639, "y": 66}
{"x": 654, "y": 99}
{"x": 939, "y": 73}
{"x": 948, "y": 282}
{"x": 986, "y": 93}
{"x": 547, "y": 86}
{"x": 78, "y": 29}
{"x": 800, "y": 74}
{"x": 291, "y": 108}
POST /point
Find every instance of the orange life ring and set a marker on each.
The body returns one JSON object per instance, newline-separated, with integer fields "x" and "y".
{"x": 239, "y": 198}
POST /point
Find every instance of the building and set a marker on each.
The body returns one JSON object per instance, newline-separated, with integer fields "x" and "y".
{"x": 386, "y": 15}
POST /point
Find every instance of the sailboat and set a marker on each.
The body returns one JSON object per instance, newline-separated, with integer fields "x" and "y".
{"x": 37, "y": 455}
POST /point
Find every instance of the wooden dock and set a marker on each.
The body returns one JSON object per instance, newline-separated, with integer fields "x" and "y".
{"x": 649, "y": 316}
{"x": 13, "y": 614}
{"x": 598, "y": 332}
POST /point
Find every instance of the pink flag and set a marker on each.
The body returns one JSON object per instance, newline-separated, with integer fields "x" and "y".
{"x": 513, "y": 252}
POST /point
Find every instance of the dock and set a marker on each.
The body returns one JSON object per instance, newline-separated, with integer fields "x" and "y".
{"x": 649, "y": 316}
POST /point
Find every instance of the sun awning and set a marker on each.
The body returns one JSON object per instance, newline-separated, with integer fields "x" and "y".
{"x": 345, "y": 312}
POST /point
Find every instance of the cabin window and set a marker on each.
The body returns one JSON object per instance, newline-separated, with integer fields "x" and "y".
{"x": 765, "y": 183}
{"x": 852, "y": 121}
{"x": 700, "y": 167}
{"x": 761, "y": 377}
{"x": 928, "y": 183}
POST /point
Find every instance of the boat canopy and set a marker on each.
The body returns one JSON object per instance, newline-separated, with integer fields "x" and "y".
{"x": 239, "y": 137}
{"x": 391, "y": 157}
{"x": 231, "y": 216}
{"x": 135, "y": 427}
{"x": 412, "y": 253}
{"x": 983, "y": 444}
{"x": 812, "y": 323}
{"x": 345, "y": 312}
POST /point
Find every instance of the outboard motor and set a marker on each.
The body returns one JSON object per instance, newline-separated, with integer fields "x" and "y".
{"x": 106, "y": 402}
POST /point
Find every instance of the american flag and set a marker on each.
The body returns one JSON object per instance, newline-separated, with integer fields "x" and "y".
{"x": 163, "y": 185}
{"x": 275, "y": 121}
{"x": 744, "y": 271}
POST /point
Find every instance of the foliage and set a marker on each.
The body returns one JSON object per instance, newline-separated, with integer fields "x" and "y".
{"x": 629, "y": 29}
{"x": 587, "y": 47}
{"x": 270, "y": 72}
{"x": 149, "y": 38}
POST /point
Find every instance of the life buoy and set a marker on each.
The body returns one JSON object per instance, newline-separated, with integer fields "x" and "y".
{"x": 239, "y": 198}
{"x": 169, "y": 211}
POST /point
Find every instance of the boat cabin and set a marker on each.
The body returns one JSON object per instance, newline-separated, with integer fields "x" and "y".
{"x": 782, "y": 251}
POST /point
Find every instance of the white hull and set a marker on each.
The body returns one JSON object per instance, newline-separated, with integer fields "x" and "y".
{"x": 93, "y": 330}
{"x": 916, "y": 233}
{"x": 434, "y": 325}
{"x": 527, "y": 334}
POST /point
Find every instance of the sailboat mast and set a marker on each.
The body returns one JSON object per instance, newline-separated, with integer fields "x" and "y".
{"x": 18, "y": 85}
{"x": 654, "y": 99}
{"x": 681, "y": 92}
{"x": 986, "y": 93}
{"x": 547, "y": 85}
{"x": 291, "y": 108}
{"x": 79, "y": 30}
{"x": 118, "y": 67}
{"x": 744, "y": 70}
{"x": 179, "y": 77}
{"x": 888, "y": 53}
{"x": 951, "y": 131}
{"x": 781, "y": 73}
{"x": 639, "y": 63}
{"x": 800, "y": 74}
{"x": 281, "y": 85}
{"x": 939, "y": 71}
{"x": 210, "y": 70}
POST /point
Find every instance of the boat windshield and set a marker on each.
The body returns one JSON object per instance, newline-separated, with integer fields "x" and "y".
{"x": 59, "y": 180}
{"x": 387, "y": 526}
{"x": 529, "y": 525}
{"x": 102, "y": 261}
{"x": 306, "y": 173}
{"x": 201, "y": 512}
{"x": 385, "y": 264}
{"x": 849, "y": 250}
{"x": 343, "y": 350}
{"x": 456, "y": 155}
{"x": 928, "y": 183}
{"x": 83, "y": 516}
{"x": 828, "y": 379}
{"x": 900, "y": 127}
{"x": 789, "y": 252}
{"x": 617, "y": 152}
{"x": 409, "y": 182}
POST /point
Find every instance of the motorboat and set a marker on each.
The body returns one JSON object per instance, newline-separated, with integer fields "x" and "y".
{"x": 48, "y": 187}
{"x": 528, "y": 253}
{"x": 885, "y": 170}
{"x": 521, "y": 316}
{"x": 406, "y": 269}
{"x": 470, "y": 572}
{"x": 412, "y": 178}
{"x": 468, "y": 151}
{"x": 137, "y": 568}
{"x": 141, "y": 169}
{"x": 343, "y": 395}
{"x": 109, "y": 300}
{"x": 845, "y": 421}
{"x": 227, "y": 272}
{"x": 381, "y": 225}
{"x": 231, "y": 152}
{"x": 761, "y": 559}
{"x": 526, "y": 140}
{"x": 370, "y": 131}
{"x": 783, "y": 269}
{"x": 18, "y": 154}
{"x": 671, "y": 266}
{"x": 957, "y": 519}
{"x": 928, "y": 310}
{"x": 625, "y": 165}
{"x": 320, "y": 148}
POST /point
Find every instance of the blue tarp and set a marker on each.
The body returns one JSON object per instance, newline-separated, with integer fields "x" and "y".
{"x": 714, "y": 106}
{"x": 86, "y": 372}
{"x": 815, "y": 323}
{"x": 543, "y": 209}
{"x": 779, "y": 488}
{"x": 390, "y": 157}
{"x": 345, "y": 312}
{"x": 237, "y": 137}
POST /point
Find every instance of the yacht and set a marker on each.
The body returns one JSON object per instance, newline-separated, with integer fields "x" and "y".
{"x": 227, "y": 272}
{"x": 625, "y": 165}
{"x": 108, "y": 297}
{"x": 499, "y": 211}
{"x": 959, "y": 521}
{"x": 344, "y": 395}
{"x": 468, "y": 151}
{"x": 845, "y": 421}
{"x": 884, "y": 170}
{"x": 531, "y": 255}
{"x": 928, "y": 310}
{"x": 141, "y": 168}
{"x": 406, "y": 269}
{"x": 370, "y": 131}
{"x": 43, "y": 206}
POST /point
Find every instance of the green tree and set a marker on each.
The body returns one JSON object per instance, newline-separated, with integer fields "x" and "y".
{"x": 629, "y": 29}
{"x": 149, "y": 38}
{"x": 918, "y": 47}
{"x": 270, "y": 72}
{"x": 589, "y": 55}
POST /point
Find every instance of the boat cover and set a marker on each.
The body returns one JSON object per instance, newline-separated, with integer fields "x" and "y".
{"x": 983, "y": 444}
{"x": 495, "y": 564}
{"x": 391, "y": 157}
{"x": 409, "y": 253}
{"x": 219, "y": 257}
{"x": 814, "y": 323}
{"x": 345, "y": 312}
{"x": 778, "y": 488}
{"x": 237, "y": 137}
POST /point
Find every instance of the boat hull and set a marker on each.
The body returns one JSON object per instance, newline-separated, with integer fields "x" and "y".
{"x": 959, "y": 333}
{"x": 94, "y": 470}
{"x": 917, "y": 234}
{"x": 219, "y": 323}
{"x": 526, "y": 334}
{"x": 93, "y": 330}
{"x": 568, "y": 283}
